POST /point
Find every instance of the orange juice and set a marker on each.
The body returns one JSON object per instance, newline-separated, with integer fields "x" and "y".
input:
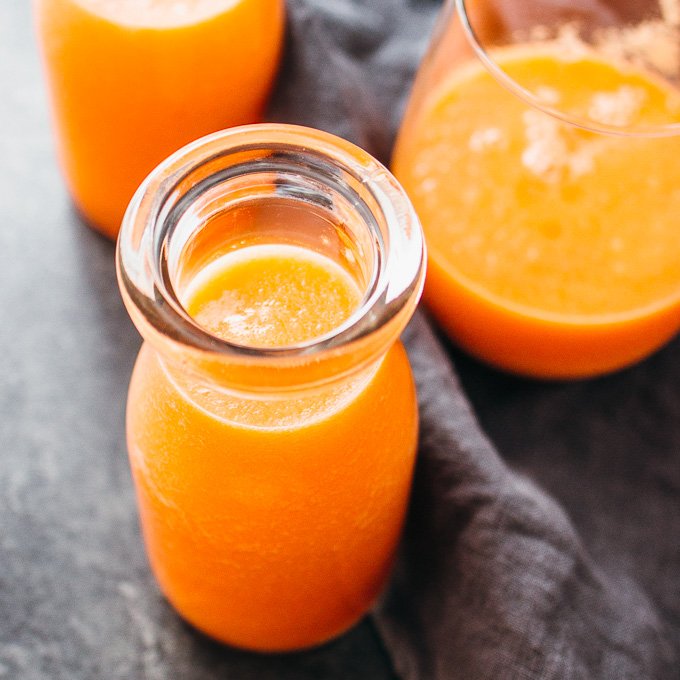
{"x": 553, "y": 250}
{"x": 271, "y": 520}
{"x": 133, "y": 80}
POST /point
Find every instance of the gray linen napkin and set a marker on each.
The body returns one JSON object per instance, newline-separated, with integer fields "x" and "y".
{"x": 493, "y": 581}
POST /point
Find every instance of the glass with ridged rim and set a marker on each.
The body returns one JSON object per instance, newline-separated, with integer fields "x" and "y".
{"x": 541, "y": 150}
{"x": 272, "y": 475}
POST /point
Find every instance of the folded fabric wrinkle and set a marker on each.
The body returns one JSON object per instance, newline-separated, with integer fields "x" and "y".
{"x": 494, "y": 581}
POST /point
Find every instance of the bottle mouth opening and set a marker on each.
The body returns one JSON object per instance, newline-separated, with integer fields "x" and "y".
{"x": 646, "y": 43}
{"x": 269, "y": 184}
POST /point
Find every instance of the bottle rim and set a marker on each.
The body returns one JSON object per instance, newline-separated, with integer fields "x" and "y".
{"x": 142, "y": 249}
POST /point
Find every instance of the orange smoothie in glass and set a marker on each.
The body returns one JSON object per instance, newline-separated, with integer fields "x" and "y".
{"x": 553, "y": 250}
{"x": 272, "y": 419}
{"x": 133, "y": 80}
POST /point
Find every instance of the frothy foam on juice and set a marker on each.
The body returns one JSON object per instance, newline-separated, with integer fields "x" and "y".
{"x": 266, "y": 296}
{"x": 539, "y": 213}
{"x": 272, "y": 296}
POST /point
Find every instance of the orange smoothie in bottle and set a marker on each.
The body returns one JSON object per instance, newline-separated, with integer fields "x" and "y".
{"x": 553, "y": 250}
{"x": 131, "y": 81}
{"x": 273, "y": 528}
{"x": 272, "y": 420}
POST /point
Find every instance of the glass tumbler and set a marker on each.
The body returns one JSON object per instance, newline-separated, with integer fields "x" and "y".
{"x": 541, "y": 150}
{"x": 272, "y": 479}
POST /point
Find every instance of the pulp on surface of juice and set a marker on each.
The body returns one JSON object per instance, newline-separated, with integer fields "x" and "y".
{"x": 553, "y": 250}
{"x": 131, "y": 81}
{"x": 271, "y": 520}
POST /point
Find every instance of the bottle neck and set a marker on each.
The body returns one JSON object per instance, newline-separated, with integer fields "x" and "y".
{"x": 271, "y": 184}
